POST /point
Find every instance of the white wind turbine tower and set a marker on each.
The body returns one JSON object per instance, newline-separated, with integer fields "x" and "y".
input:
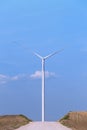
{"x": 43, "y": 80}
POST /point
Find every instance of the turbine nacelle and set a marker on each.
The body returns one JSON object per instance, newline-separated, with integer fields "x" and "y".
{"x": 48, "y": 56}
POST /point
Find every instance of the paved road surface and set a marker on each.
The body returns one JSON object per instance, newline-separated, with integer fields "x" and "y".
{"x": 44, "y": 126}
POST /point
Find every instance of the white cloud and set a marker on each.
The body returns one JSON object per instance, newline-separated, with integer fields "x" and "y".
{"x": 38, "y": 74}
{"x": 4, "y": 78}
{"x": 17, "y": 77}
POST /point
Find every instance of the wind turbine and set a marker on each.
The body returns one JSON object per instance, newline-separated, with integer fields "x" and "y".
{"x": 43, "y": 80}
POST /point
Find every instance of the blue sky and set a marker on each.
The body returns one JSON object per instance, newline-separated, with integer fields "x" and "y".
{"x": 43, "y": 26}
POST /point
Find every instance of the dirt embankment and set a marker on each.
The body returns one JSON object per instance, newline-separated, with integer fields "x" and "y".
{"x": 11, "y": 122}
{"x": 75, "y": 120}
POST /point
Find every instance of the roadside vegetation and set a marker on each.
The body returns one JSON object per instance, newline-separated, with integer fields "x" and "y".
{"x": 75, "y": 120}
{"x": 11, "y": 122}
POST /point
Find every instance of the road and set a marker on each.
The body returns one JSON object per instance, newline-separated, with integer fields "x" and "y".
{"x": 44, "y": 126}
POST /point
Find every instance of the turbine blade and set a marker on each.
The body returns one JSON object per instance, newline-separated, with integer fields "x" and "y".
{"x": 52, "y": 54}
{"x": 38, "y": 55}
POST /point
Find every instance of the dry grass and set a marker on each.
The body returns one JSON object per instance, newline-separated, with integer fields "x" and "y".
{"x": 11, "y": 122}
{"x": 75, "y": 120}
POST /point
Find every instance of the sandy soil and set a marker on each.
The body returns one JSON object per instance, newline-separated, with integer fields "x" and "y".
{"x": 75, "y": 120}
{"x": 44, "y": 126}
{"x": 11, "y": 122}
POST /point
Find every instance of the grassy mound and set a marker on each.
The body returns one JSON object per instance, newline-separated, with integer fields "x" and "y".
{"x": 75, "y": 120}
{"x": 11, "y": 122}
